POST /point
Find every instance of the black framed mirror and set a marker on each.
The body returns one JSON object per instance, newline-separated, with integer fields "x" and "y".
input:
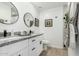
{"x": 28, "y": 19}
{"x": 8, "y": 13}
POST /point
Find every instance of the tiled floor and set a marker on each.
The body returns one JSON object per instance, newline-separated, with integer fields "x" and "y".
{"x": 55, "y": 52}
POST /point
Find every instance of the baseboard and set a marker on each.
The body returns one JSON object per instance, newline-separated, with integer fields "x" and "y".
{"x": 55, "y": 46}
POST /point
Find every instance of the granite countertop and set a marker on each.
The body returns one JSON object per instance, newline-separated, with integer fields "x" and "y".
{"x": 10, "y": 40}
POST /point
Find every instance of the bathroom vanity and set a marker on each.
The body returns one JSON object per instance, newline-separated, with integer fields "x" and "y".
{"x": 21, "y": 45}
{"x": 17, "y": 42}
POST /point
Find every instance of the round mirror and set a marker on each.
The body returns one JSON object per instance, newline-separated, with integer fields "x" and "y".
{"x": 8, "y": 13}
{"x": 28, "y": 19}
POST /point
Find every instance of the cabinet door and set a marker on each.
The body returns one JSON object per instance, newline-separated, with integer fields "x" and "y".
{"x": 41, "y": 44}
{"x": 13, "y": 48}
{"x": 22, "y": 52}
{"x": 40, "y": 48}
{"x": 33, "y": 49}
{"x": 16, "y": 54}
{"x": 25, "y": 52}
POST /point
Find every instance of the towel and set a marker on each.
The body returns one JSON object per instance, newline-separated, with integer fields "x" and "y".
{"x": 72, "y": 37}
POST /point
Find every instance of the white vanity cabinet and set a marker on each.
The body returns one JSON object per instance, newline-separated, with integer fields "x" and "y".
{"x": 31, "y": 46}
{"x": 35, "y": 46}
{"x": 13, "y": 48}
{"x": 23, "y": 52}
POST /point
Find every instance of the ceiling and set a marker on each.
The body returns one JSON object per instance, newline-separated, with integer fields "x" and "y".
{"x": 48, "y": 5}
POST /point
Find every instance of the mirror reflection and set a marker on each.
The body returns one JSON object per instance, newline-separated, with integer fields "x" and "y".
{"x": 28, "y": 19}
{"x": 8, "y": 13}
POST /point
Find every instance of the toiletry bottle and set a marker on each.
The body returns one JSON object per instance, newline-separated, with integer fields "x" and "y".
{"x": 5, "y": 33}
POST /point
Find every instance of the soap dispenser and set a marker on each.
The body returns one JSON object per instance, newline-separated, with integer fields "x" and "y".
{"x": 5, "y": 33}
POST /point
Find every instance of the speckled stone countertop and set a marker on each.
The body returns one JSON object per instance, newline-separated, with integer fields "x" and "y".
{"x": 10, "y": 40}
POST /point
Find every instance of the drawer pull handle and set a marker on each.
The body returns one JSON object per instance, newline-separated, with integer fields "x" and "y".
{"x": 33, "y": 40}
{"x": 33, "y": 49}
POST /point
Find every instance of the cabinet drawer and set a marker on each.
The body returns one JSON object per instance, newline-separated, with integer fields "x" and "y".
{"x": 32, "y": 41}
{"x": 34, "y": 50}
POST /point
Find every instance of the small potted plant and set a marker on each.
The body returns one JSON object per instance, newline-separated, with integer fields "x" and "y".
{"x": 67, "y": 19}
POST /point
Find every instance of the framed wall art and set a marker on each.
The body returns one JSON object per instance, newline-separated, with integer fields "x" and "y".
{"x": 36, "y": 22}
{"x": 48, "y": 22}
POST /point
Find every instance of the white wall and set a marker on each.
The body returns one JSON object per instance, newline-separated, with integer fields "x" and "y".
{"x": 22, "y": 7}
{"x": 54, "y": 34}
